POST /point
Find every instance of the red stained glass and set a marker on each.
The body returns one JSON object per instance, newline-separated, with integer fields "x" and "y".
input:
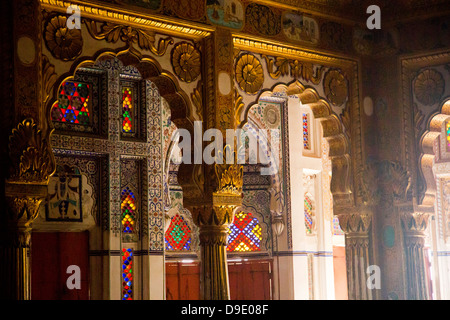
{"x": 306, "y": 142}
{"x": 127, "y": 274}
{"x": 128, "y": 207}
{"x": 178, "y": 236}
{"x": 73, "y": 103}
{"x": 127, "y": 110}
{"x": 244, "y": 234}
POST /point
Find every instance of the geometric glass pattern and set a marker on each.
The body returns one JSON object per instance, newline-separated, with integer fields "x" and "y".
{"x": 127, "y": 110}
{"x": 127, "y": 274}
{"x": 128, "y": 208}
{"x": 337, "y": 231}
{"x": 448, "y": 135}
{"x": 244, "y": 234}
{"x": 178, "y": 236}
{"x": 308, "y": 215}
{"x": 306, "y": 142}
{"x": 73, "y": 103}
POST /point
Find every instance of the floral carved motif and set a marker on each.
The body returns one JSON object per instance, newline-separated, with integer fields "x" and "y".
{"x": 249, "y": 73}
{"x": 429, "y": 87}
{"x": 335, "y": 87}
{"x": 297, "y": 69}
{"x": 64, "y": 43}
{"x": 186, "y": 62}
{"x": 31, "y": 160}
{"x": 113, "y": 32}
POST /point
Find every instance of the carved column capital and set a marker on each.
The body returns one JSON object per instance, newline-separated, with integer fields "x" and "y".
{"x": 355, "y": 223}
{"x": 415, "y": 223}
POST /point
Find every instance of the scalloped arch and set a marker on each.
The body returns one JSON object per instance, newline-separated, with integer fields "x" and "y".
{"x": 339, "y": 151}
{"x": 429, "y": 144}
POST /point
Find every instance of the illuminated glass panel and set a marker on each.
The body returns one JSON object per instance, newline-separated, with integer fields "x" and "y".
{"x": 308, "y": 215}
{"x": 336, "y": 227}
{"x": 244, "y": 234}
{"x": 178, "y": 236}
{"x": 128, "y": 207}
{"x": 73, "y": 103}
{"x": 127, "y": 274}
{"x": 127, "y": 110}
{"x": 447, "y": 128}
{"x": 306, "y": 132}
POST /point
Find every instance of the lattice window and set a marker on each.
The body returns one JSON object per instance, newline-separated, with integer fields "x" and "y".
{"x": 127, "y": 274}
{"x": 306, "y": 132}
{"x": 244, "y": 234}
{"x": 74, "y": 103}
{"x": 128, "y": 208}
{"x": 178, "y": 236}
{"x": 309, "y": 215}
{"x": 128, "y": 110}
{"x": 337, "y": 231}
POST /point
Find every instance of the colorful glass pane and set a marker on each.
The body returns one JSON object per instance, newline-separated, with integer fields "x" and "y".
{"x": 306, "y": 129}
{"x": 127, "y": 274}
{"x": 336, "y": 227}
{"x": 178, "y": 236}
{"x": 127, "y": 110}
{"x": 448, "y": 135}
{"x": 308, "y": 215}
{"x": 244, "y": 234}
{"x": 73, "y": 103}
{"x": 128, "y": 207}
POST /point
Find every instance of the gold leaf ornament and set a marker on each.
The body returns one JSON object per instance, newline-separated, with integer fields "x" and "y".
{"x": 249, "y": 73}
{"x": 186, "y": 62}
{"x": 64, "y": 43}
{"x": 335, "y": 87}
{"x": 113, "y": 32}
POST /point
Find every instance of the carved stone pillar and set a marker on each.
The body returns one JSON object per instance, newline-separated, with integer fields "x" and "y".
{"x": 213, "y": 221}
{"x": 356, "y": 227}
{"x": 15, "y": 244}
{"x": 31, "y": 164}
{"x": 414, "y": 226}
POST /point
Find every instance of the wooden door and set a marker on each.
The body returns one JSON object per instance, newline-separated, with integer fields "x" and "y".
{"x": 51, "y": 255}
{"x": 182, "y": 281}
{"x": 250, "y": 280}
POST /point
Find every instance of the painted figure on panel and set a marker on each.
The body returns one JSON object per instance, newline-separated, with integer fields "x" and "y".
{"x": 227, "y": 13}
{"x": 64, "y": 202}
{"x": 300, "y": 28}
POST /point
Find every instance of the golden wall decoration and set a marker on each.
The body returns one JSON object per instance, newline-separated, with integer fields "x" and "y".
{"x": 249, "y": 73}
{"x": 186, "y": 62}
{"x": 31, "y": 159}
{"x": 197, "y": 100}
{"x": 113, "y": 32}
{"x": 64, "y": 43}
{"x": 429, "y": 87}
{"x": 298, "y": 69}
{"x": 335, "y": 87}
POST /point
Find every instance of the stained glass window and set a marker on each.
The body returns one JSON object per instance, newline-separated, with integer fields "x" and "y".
{"x": 309, "y": 215}
{"x": 127, "y": 274}
{"x": 178, "y": 236}
{"x": 448, "y": 135}
{"x": 128, "y": 207}
{"x": 244, "y": 234}
{"x": 73, "y": 104}
{"x": 306, "y": 129}
{"x": 127, "y": 110}
{"x": 336, "y": 227}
